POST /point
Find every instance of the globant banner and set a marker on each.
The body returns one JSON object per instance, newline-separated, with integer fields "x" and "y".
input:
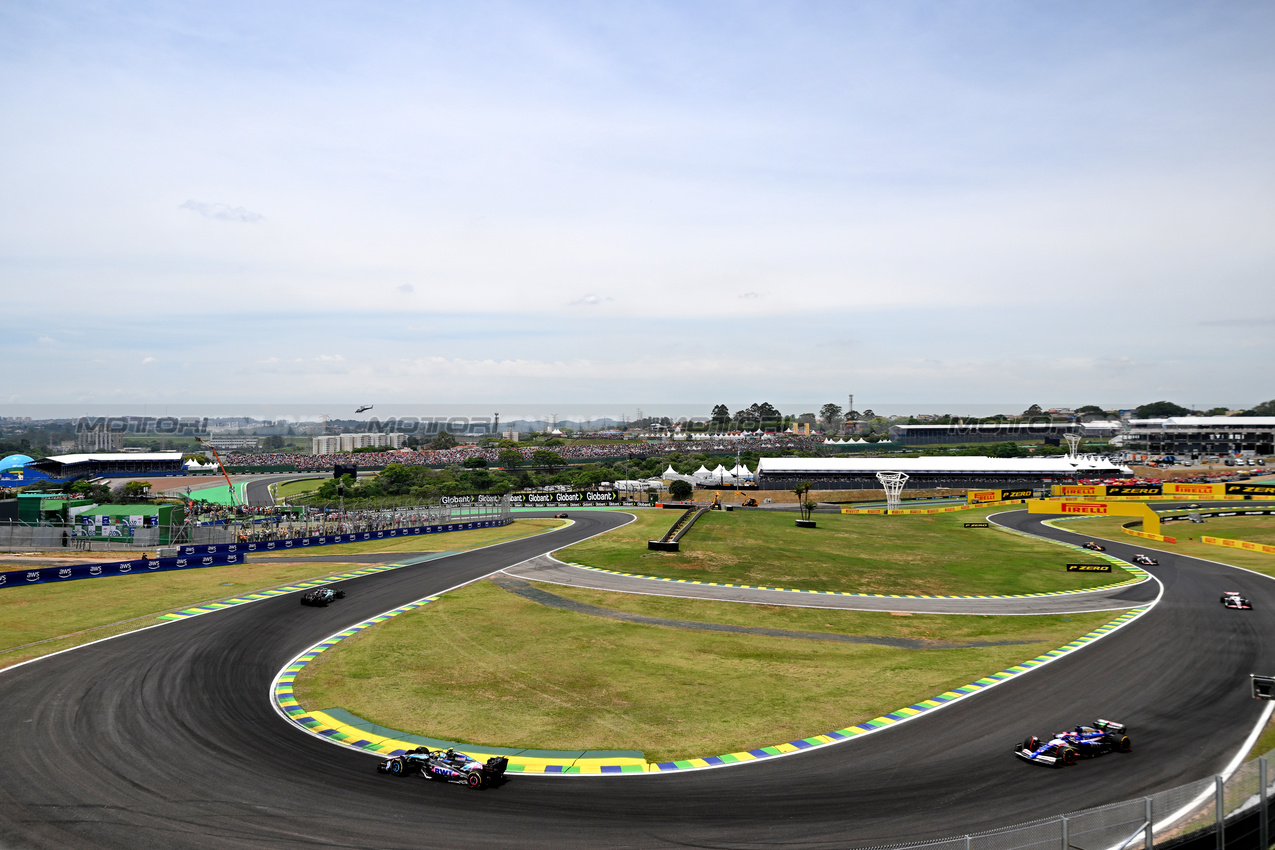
{"x": 532, "y": 500}
{"x": 333, "y": 539}
{"x": 44, "y": 575}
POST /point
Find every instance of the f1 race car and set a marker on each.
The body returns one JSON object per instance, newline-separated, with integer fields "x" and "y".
{"x": 1233, "y": 599}
{"x": 559, "y": 516}
{"x": 1094, "y": 546}
{"x": 447, "y": 766}
{"x": 1104, "y": 736}
{"x": 1145, "y": 560}
{"x": 321, "y": 596}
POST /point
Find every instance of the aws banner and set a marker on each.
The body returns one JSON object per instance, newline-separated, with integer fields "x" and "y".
{"x": 45, "y": 575}
{"x": 293, "y": 543}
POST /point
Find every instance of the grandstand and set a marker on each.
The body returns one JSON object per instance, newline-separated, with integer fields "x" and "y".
{"x": 108, "y": 464}
{"x": 784, "y": 473}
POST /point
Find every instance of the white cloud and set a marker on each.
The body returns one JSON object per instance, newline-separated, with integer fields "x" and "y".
{"x": 222, "y": 212}
{"x": 46, "y": 340}
{"x": 146, "y": 360}
{"x": 406, "y": 287}
{"x": 330, "y": 358}
{"x": 590, "y": 300}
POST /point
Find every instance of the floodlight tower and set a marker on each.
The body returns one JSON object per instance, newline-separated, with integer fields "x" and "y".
{"x": 893, "y": 483}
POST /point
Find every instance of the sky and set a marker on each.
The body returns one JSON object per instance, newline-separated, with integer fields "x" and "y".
{"x": 604, "y": 204}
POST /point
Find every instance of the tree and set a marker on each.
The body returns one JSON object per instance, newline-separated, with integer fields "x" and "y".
{"x": 1266, "y": 408}
{"x": 1090, "y": 410}
{"x": 444, "y": 440}
{"x": 475, "y": 462}
{"x": 680, "y": 490}
{"x": 721, "y": 413}
{"x": 1159, "y": 410}
{"x": 804, "y": 502}
{"x": 544, "y": 457}
{"x": 510, "y": 458}
{"x": 1034, "y": 410}
{"x": 831, "y": 415}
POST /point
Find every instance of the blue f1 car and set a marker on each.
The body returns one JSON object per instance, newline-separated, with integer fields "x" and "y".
{"x": 447, "y": 766}
{"x": 1104, "y": 736}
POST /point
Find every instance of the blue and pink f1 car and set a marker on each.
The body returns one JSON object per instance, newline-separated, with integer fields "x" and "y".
{"x": 1104, "y": 736}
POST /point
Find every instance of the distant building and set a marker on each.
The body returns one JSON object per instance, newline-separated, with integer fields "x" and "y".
{"x": 1193, "y": 436}
{"x": 223, "y": 443}
{"x": 99, "y": 440}
{"x": 784, "y": 473}
{"x": 335, "y": 444}
{"x": 991, "y": 432}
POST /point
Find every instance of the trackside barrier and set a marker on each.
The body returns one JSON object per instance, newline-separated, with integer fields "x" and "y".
{"x": 1239, "y": 544}
{"x": 1146, "y": 535}
{"x": 46, "y": 575}
{"x": 932, "y": 510}
{"x": 333, "y": 539}
{"x": 1215, "y": 813}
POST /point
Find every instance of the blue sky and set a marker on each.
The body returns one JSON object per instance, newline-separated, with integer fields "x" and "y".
{"x": 922, "y": 204}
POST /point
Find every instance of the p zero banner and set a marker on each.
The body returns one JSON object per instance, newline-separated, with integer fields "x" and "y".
{"x": 1133, "y": 490}
{"x": 977, "y": 496}
{"x": 978, "y": 525}
{"x": 1089, "y": 568}
{"x": 1234, "y": 489}
{"x": 45, "y": 575}
{"x": 293, "y": 543}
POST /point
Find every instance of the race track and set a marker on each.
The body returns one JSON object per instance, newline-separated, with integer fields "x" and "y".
{"x": 166, "y": 738}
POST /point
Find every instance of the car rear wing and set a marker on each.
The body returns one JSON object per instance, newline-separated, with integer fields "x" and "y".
{"x": 1109, "y": 726}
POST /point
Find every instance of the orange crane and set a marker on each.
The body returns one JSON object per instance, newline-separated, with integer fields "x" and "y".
{"x": 225, "y": 474}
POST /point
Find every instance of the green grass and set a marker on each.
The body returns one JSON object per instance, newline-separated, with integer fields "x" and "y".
{"x": 296, "y": 488}
{"x": 920, "y": 554}
{"x": 484, "y": 666}
{"x": 471, "y": 539}
{"x": 1188, "y": 536}
{"x": 76, "y": 612}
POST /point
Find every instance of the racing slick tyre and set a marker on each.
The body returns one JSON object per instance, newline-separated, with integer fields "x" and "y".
{"x": 475, "y": 780}
{"x": 395, "y": 767}
{"x": 1124, "y": 745}
{"x": 1031, "y": 743}
{"x": 1067, "y": 756}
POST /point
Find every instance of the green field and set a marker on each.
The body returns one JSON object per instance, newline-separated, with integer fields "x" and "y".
{"x": 296, "y": 488}
{"x": 919, "y": 554}
{"x": 425, "y": 542}
{"x": 541, "y": 677}
{"x": 59, "y": 616}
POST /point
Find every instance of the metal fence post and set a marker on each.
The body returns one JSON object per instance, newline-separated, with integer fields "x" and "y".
{"x": 1066, "y": 844}
{"x": 1147, "y": 841}
{"x": 968, "y": 842}
{"x": 1265, "y": 807}
{"x": 1221, "y": 821}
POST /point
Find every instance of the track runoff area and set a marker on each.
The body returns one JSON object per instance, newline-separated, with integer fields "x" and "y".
{"x": 169, "y": 736}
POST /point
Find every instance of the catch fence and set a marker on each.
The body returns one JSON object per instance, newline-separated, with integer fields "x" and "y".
{"x": 1217, "y": 813}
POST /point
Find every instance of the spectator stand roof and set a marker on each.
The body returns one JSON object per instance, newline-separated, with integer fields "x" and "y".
{"x": 106, "y": 463}
{"x": 1082, "y": 466}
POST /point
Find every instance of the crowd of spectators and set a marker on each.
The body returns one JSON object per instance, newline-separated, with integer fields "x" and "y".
{"x": 254, "y": 524}
{"x": 567, "y": 451}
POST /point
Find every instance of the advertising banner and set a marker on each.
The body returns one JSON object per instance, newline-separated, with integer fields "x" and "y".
{"x": 45, "y": 575}
{"x": 1150, "y": 519}
{"x": 978, "y": 496}
{"x": 1172, "y": 489}
{"x": 978, "y": 525}
{"x": 292, "y": 543}
{"x": 1079, "y": 490}
{"x": 1239, "y": 489}
{"x": 1089, "y": 568}
{"x": 1133, "y": 490}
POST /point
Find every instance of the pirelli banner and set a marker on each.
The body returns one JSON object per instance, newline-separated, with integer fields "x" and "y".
{"x": 975, "y": 497}
{"x": 137, "y": 566}
{"x": 1150, "y": 519}
{"x": 1079, "y": 490}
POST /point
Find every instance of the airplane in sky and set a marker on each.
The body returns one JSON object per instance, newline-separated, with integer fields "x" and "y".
{"x": 363, "y": 408}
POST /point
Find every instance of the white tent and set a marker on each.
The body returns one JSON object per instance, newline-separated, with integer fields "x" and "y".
{"x": 741, "y": 471}
{"x": 702, "y": 472}
{"x": 670, "y": 473}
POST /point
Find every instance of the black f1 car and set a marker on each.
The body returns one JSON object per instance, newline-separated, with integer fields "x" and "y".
{"x": 1095, "y": 546}
{"x": 560, "y": 516}
{"x": 1104, "y": 736}
{"x": 1233, "y": 599}
{"x": 447, "y": 766}
{"x": 321, "y": 596}
{"x": 1145, "y": 560}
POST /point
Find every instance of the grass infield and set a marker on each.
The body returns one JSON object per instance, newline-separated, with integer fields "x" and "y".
{"x": 546, "y": 678}
{"x": 296, "y": 488}
{"x": 916, "y": 554}
{"x": 45, "y": 618}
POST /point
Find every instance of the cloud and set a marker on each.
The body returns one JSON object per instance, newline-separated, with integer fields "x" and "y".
{"x": 222, "y": 212}
{"x": 407, "y": 287}
{"x": 1238, "y": 323}
{"x": 46, "y": 340}
{"x": 330, "y": 358}
{"x": 590, "y": 300}
{"x": 749, "y": 294}
{"x": 146, "y": 360}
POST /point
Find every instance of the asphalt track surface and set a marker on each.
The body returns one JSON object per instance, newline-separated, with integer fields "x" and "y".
{"x": 165, "y": 738}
